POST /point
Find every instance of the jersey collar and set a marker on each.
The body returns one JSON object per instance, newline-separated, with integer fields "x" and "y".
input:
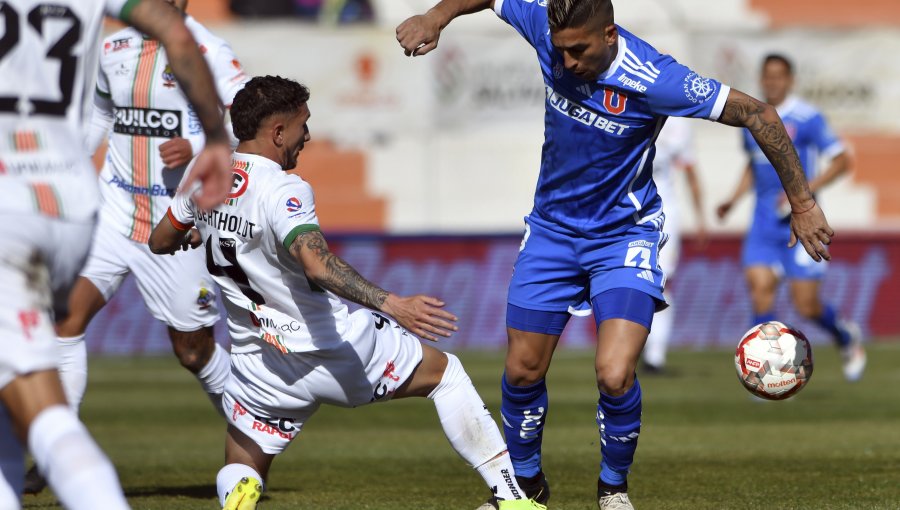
{"x": 260, "y": 160}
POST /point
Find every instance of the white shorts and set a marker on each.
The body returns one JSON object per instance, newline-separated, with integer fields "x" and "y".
{"x": 177, "y": 289}
{"x": 39, "y": 259}
{"x": 270, "y": 395}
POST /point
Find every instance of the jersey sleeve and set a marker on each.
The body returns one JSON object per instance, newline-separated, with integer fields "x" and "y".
{"x": 292, "y": 210}
{"x": 229, "y": 74}
{"x": 529, "y": 18}
{"x": 823, "y": 137}
{"x": 181, "y": 211}
{"x": 680, "y": 92}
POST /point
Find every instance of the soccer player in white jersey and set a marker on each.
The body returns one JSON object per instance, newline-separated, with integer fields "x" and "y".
{"x": 766, "y": 257}
{"x": 153, "y": 134}
{"x": 674, "y": 153}
{"x": 48, "y": 202}
{"x": 294, "y": 344}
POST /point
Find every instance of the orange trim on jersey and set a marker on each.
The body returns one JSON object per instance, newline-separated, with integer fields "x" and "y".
{"x": 45, "y": 199}
{"x": 177, "y": 224}
{"x": 141, "y": 145}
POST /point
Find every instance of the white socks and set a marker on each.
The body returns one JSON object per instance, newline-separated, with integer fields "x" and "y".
{"x": 77, "y": 471}
{"x": 12, "y": 464}
{"x": 229, "y": 476}
{"x": 73, "y": 368}
{"x": 213, "y": 376}
{"x": 472, "y": 431}
{"x": 658, "y": 340}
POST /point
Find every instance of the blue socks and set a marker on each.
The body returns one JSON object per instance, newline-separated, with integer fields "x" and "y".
{"x": 828, "y": 321}
{"x": 619, "y": 419}
{"x": 524, "y": 410}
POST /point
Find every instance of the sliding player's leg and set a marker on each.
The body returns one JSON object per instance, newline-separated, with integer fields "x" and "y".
{"x": 240, "y": 482}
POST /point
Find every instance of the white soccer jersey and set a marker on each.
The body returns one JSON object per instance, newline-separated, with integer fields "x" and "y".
{"x": 267, "y": 295}
{"x": 48, "y": 55}
{"x": 141, "y": 100}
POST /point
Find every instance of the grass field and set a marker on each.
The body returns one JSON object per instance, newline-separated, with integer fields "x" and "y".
{"x": 705, "y": 443}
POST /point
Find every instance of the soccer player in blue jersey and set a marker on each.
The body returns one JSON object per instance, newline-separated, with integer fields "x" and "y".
{"x": 766, "y": 256}
{"x": 593, "y": 238}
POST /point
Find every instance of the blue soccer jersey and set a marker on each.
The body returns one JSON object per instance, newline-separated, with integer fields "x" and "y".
{"x": 813, "y": 139}
{"x": 596, "y": 164}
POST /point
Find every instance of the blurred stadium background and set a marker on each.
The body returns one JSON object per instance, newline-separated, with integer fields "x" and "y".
{"x": 423, "y": 168}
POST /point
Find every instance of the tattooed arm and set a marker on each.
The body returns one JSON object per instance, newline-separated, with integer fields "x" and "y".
{"x": 420, "y": 314}
{"x": 808, "y": 223}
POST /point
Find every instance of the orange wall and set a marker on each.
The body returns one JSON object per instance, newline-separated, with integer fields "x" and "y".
{"x": 830, "y": 13}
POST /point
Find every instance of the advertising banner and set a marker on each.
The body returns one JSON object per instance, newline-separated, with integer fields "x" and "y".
{"x": 471, "y": 274}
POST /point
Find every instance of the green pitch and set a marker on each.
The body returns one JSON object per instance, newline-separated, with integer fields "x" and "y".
{"x": 705, "y": 443}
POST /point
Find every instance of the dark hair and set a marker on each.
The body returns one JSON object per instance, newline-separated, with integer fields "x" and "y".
{"x": 778, "y": 57}
{"x": 262, "y": 97}
{"x": 575, "y": 13}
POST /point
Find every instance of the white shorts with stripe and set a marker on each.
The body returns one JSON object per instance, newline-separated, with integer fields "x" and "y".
{"x": 39, "y": 259}
{"x": 270, "y": 395}
{"x": 177, "y": 289}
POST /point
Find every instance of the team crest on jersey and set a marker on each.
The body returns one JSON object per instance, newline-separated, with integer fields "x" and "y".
{"x": 698, "y": 89}
{"x": 614, "y": 102}
{"x": 240, "y": 178}
{"x": 557, "y": 70}
{"x": 205, "y": 298}
{"x": 168, "y": 77}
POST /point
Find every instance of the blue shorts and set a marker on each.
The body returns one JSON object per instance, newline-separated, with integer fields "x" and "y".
{"x": 561, "y": 273}
{"x": 768, "y": 247}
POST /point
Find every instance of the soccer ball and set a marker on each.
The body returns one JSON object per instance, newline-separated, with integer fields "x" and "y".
{"x": 774, "y": 361}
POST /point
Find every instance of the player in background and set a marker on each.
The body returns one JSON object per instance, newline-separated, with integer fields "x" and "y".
{"x": 674, "y": 152}
{"x": 153, "y": 134}
{"x": 766, "y": 256}
{"x": 48, "y": 202}
{"x": 592, "y": 240}
{"x": 294, "y": 344}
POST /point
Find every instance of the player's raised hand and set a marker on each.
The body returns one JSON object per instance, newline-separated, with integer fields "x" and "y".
{"x": 176, "y": 153}
{"x": 811, "y": 228}
{"x": 419, "y": 34}
{"x": 213, "y": 170}
{"x": 723, "y": 209}
{"x": 423, "y": 315}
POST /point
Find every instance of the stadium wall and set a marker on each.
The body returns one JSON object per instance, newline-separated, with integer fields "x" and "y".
{"x": 471, "y": 274}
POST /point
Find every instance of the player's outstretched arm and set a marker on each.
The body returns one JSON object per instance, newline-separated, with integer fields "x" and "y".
{"x": 165, "y": 23}
{"x": 419, "y": 34}
{"x": 423, "y": 315}
{"x": 808, "y": 223}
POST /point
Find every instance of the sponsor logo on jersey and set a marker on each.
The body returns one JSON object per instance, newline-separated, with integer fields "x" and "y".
{"x": 584, "y": 115}
{"x": 641, "y": 242}
{"x": 168, "y": 77}
{"x": 646, "y": 274}
{"x": 698, "y": 89}
{"x": 585, "y": 89}
{"x": 156, "y": 190}
{"x": 293, "y": 204}
{"x": 224, "y": 222}
{"x": 117, "y": 45}
{"x": 148, "y": 122}
{"x": 239, "y": 182}
{"x": 282, "y": 427}
{"x": 631, "y": 83}
{"x": 122, "y": 70}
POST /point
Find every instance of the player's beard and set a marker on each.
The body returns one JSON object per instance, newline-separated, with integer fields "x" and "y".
{"x": 292, "y": 155}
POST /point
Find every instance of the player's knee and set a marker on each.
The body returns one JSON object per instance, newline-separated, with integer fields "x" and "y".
{"x": 193, "y": 349}
{"x": 525, "y": 369}
{"x": 808, "y": 308}
{"x": 614, "y": 381}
